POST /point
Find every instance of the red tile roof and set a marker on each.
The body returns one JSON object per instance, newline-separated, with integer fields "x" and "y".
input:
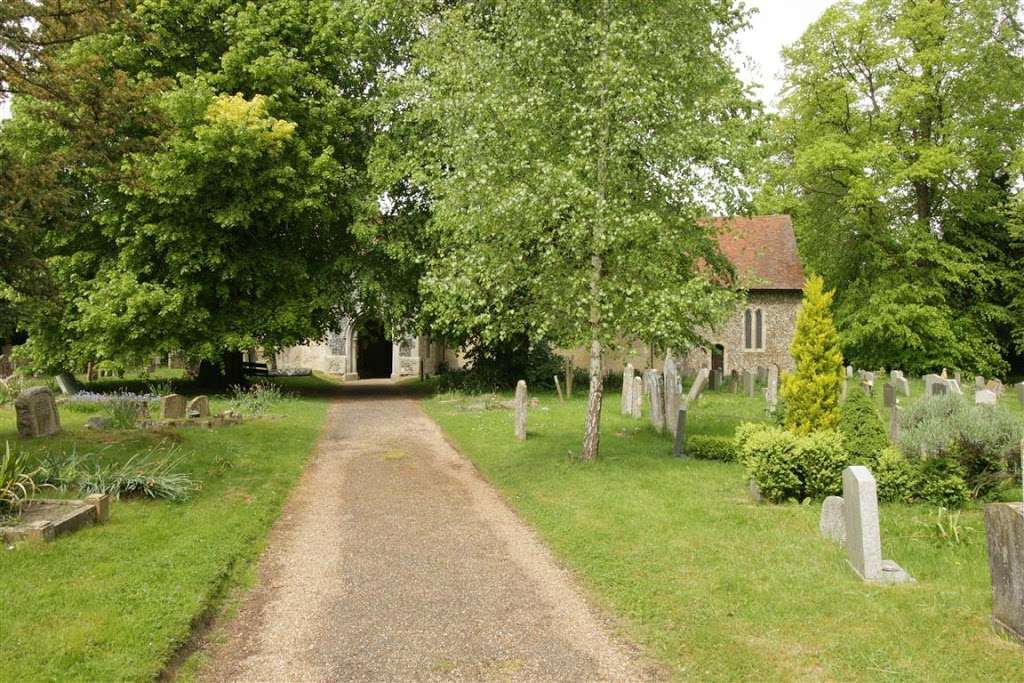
{"x": 763, "y": 251}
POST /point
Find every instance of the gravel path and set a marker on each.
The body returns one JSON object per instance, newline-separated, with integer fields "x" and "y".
{"x": 395, "y": 561}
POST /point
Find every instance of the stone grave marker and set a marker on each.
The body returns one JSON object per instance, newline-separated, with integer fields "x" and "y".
{"x": 172, "y": 407}
{"x": 637, "y": 397}
{"x": 1020, "y": 393}
{"x": 67, "y": 383}
{"x": 679, "y": 448}
{"x": 627, "y": 389}
{"x": 558, "y": 388}
{"x": 521, "y": 404}
{"x": 1004, "y": 527}
{"x": 673, "y": 390}
{"x": 930, "y": 380}
{"x": 894, "y": 422}
{"x": 863, "y": 533}
{"x": 698, "y": 386}
{"x": 716, "y": 379}
{"x": 849, "y": 371}
{"x": 734, "y": 381}
{"x": 902, "y": 384}
{"x": 832, "y": 525}
{"x": 953, "y": 387}
{"x": 985, "y": 398}
{"x": 762, "y": 374}
{"x": 748, "y": 383}
{"x": 655, "y": 395}
{"x": 36, "y": 413}
{"x": 995, "y": 386}
{"x": 958, "y": 376}
{"x": 199, "y": 407}
{"x": 771, "y": 394}
{"x": 979, "y": 382}
{"x": 889, "y": 395}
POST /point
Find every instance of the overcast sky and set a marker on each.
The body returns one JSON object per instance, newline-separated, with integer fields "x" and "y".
{"x": 776, "y": 23}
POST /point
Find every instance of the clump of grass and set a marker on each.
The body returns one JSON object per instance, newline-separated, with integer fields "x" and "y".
{"x": 17, "y": 483}
{"x": 148, "y": 474}
{"x": 255, "y": 400}
{"x": 10, "y": 388}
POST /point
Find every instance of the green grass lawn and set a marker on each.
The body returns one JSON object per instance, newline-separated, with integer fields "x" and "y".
{"x": 718, "y": 588}
{"x": 115, "y": 602}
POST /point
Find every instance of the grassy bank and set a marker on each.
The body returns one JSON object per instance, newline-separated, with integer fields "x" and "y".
{"x": 115, "y": 602}
{"x": 718, "y": 588}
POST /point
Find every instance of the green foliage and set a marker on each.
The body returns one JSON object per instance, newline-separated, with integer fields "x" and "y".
{"x": 149, "y": 474}
{"x": 895, "y": 476}
{"x": 787, "y": 466}
{"x": 812, "y": 392}
{"x": 823, "y": 459}
{"x": 863, "y": 433}
{"x": 704, "y": 447}
{"x": 940, "y": 481}
{"x": 256, "y": 399}
{"x": 10, "y": 387}
{"x": 124, "y": 410}
{"x": 897, "y": 152}
{"x": 497, "y": 367}
{"x": 949, "y": 529}
{"x": 17, "y": 482}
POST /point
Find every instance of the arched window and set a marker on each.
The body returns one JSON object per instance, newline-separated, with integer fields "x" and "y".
{"x": 753, "y": 329}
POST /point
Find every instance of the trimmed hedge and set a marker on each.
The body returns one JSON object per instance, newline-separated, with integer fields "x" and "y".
{"x": 703, "y": 447}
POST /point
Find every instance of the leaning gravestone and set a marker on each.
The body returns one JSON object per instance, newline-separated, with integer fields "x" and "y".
{"x": 199, "y": 407}
{"x": 902, "y": 385}
{"x": 521, "y": 403}
{"x": 985, "y": 398}
{"x": 831, "y": 525}
{"x": 36, "y": 413}
{"x": 172, "y": 407}
{"x": 953, "y": 387}
{"x": 679, "y": 448}
{"x": 1004, "y": 526}
{"x": 637, "y": 396}
{"x": 627, "y": 389}
{"x": 67, "y": 383}
{"x": 655, "y": 394}
{"x": 863, "y": 533}
{"x": 889, "y": 395}
{"x": 673, "y": 390}
{"x": 700, "y": 382}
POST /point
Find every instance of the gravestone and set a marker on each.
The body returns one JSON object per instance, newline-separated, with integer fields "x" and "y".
{"x": 894, "y": 375}
{"x": 849, "y": 371}
{"x": 172, "y": 407}
{"x": 945, "y": 373}
{"x": 762, "y": 374}
{"x": 1020, "y": 393}
{"x": 68, "y": 384}
{"x": 985, "y": 398}
{"x": 771, "y": 394}
{"x": 902, "y": 384}
{"x": 655, "y": 393}
{"x": 863, "y": 533}
{"x": 199, "y": 407}
{"x": 843, "y": 388}
{"x": 930, "y": 380}
{"x": 734, "y": 381}
{"x": 832, "y": 525}
{"x": 36, "y": 413}
{"x": 673, "y": 390}
{"x": 698, "y": 386}
{"x": 953, "y": 387}
{"x": 679, "y": 449}
{"x": 521, "y": 404}
{"x": 979, "y": 382}
{"x": 995, "y": 386}
{"x": 748, "y": 383}
{"x": 1004, "y": 526}
{"x": 716, "y": 378}
{"x": 558, "y": 388}
{"x": 889, "y": 395}
{"x": 637, "y": 397}
{"x": 894, "y": 423}
{"x": 868, "y": 378}
{"x": 627, "y": 389}
{"x": 958, "y": 376}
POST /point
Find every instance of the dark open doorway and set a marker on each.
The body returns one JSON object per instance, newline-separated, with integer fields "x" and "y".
{"x": 373, "y": 359}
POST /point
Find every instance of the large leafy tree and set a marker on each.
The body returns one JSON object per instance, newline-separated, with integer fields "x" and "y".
{"x": 568, "y": 152}
{"x": 202, "y": 169}
{"x": 896, "y": 136}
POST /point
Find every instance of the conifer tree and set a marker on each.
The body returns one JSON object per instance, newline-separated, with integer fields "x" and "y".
{"x": 812, "y": 392}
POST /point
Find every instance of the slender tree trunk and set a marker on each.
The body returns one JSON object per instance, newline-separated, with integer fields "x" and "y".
{"x": 592, "y": 430}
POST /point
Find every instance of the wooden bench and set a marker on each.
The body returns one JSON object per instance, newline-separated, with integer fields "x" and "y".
{"x": 255, "y": 370}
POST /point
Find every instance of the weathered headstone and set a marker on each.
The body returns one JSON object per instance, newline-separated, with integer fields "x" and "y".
{"x": 849, "y": 371}
{"x": 199, "y": 407}
{"x": 67, "y": 384}
{"x": 930, "y": 381}
{"x": 832, "y": 524}
{"x": 715, "y": 379}
{"x": 627, "y": 389}
{"x": 863, "y": 533}
{"x": 979, "y": 382}
{"x": 655, "y": 397}
{"x": 889, "y": 395}
{"x": 985, "y": 398}
{"x": 894, "y": 423}
{"x": 698, "y": 386}
{"x": 748, "y": 383}
{"x": 843, "y": 388}
{"x": 558, "y": 388}
{"x": 99, "y": 422}
{"x": 894, "y": 375}
{"x": 521, "y": 404}
{"x": 762, "y": 374}
{"x": 995, "y": 386}
{"x": 958, "y": 376}
{"x": 771, "y": 394}
{"x": 673, "y": 390}
{"x": 1020, "y": 393}
{"x": 1004, "y": 526}
{"x": 868, "y": 378}
{"x": 172, "y": 407}
{"x": 36, "y": 413}
{"x": 902, "y": 385}
{"x": 953, "y": 387}
{"x": 679, "y": 449}
{"x": 945, "y": 373}
{"x": 734, "y": 381}
{"x": 637, "y": 397}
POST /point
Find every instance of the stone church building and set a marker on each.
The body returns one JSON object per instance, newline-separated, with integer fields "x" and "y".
{"x": 762, "y": 249}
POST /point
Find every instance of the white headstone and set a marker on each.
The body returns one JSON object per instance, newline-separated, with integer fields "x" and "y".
{"x": 655, "y": 397}
{"x": 627, "y": 389}
{"x": 902, "y": 385}
{"x": 772, "y": 393}
{"x": 985, "y": 398}
{"x": 979, "y": 382}
{"x": 953, "y": 387}
{"x": 521, "y": 403}
{"x": 748, "y": 383}
{"x": 673, "y": 390}
{"x": 930, "y": 381}
{"x": 863, "y": 533}
{"x": 637, "y": 397}
{"x": 832, "y": 524}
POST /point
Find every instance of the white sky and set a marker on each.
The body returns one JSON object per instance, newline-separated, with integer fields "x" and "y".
{"x": 776, "y": 23}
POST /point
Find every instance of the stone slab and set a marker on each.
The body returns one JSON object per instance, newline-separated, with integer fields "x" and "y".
{"x": 832, "y": 524}
{"x": 1004, "y": 527}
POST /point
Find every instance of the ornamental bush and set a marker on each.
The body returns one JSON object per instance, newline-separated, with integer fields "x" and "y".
{"x": 704, "y": 447}
{"x": 863, "y": 433}
{"x": 771, "y": 457}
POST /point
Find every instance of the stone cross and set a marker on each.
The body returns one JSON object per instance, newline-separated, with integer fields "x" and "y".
{"x": 199, "y": 407}
{"x": 172, "y": 407}
{"x": 863, "y": 533}
{"x": 889, "y": 395}
{"x": 698, "y": 386}
{"x": 36, "y": 413}
{"x": 1004, "y": 527}
{"x": 521, "y": 402}
{"x": 637, "y": 397}
{"x": 655, "y": 397}
{"x": 627, "y": 389}
{"x": 985, "y": 398}
{"x": 771, "y": 394}
{"x": 673, "y": 390}
{"x": 679, "y": 449}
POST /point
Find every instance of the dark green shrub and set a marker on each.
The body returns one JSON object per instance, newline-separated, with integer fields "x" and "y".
{"x": 895, "y": 476}
{"x": 498, "y": 367}
{"x": 940, "y": 481}
{"x": 822, "y": 459}
{"x": 704, "y": 447}
{"x": 863, "y": 432}
{"x": 771, "y": 456}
